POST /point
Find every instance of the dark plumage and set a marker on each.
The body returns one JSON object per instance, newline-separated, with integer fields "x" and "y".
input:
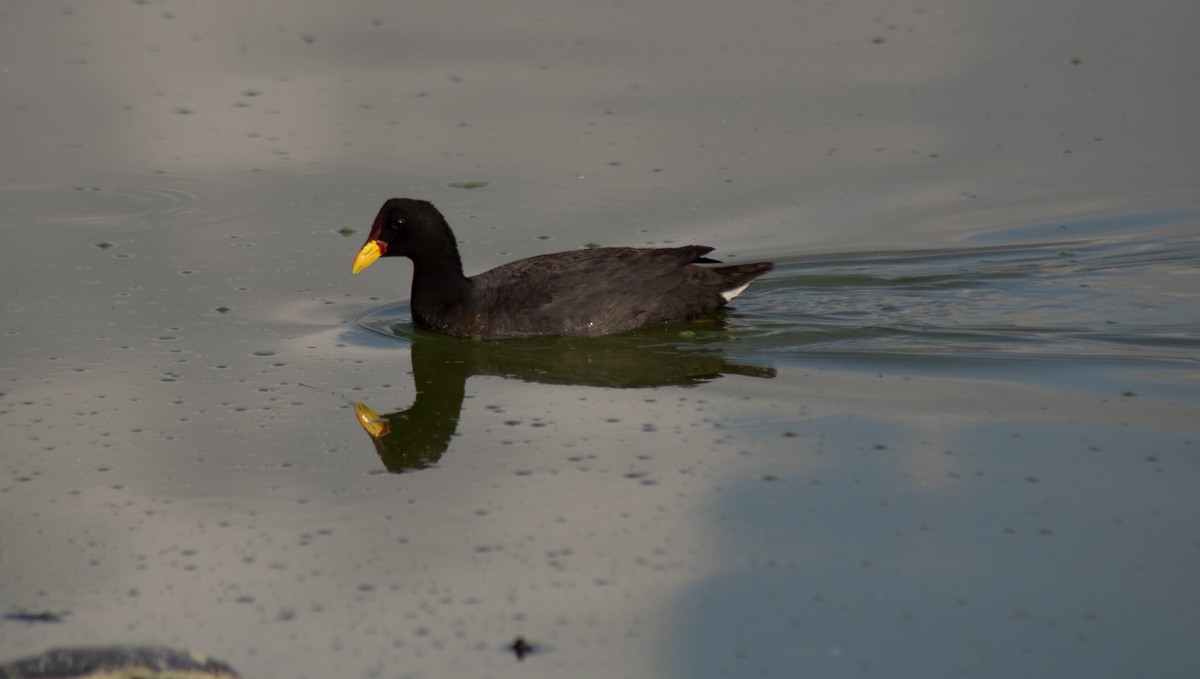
{"x": 581, "y": 292}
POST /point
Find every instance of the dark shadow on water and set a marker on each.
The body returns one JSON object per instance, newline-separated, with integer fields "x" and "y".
{"x": 417, "y": 437}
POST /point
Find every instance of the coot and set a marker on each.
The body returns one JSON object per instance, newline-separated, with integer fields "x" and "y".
{"x": 583, "y": 292}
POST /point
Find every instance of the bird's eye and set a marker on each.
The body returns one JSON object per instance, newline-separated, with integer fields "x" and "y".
{"x": 399, "y": 221}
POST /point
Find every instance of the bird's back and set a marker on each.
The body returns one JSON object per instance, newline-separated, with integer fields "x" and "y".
{"x": 594, "y": 292}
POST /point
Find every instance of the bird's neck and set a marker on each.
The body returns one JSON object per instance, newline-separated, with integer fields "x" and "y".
{"x": 438, "y": 282}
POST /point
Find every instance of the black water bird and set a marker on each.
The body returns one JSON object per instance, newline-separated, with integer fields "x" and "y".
{"x": 586, "y": 292}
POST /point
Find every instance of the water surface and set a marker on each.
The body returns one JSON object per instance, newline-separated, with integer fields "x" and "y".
{"x": 953, "y": 433}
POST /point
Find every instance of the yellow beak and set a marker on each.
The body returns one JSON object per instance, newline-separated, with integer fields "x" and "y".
{"x": 375, "y": 425}
{"x": 370, "y": 252}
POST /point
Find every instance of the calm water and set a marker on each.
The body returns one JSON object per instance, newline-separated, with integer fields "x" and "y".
{"x": 953, "y": 433}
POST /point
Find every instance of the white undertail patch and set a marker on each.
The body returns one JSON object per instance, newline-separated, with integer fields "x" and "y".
{"x": 730, "y": 294}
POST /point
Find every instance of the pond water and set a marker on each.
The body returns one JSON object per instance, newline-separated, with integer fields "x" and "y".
{"x": 953, "y": 433}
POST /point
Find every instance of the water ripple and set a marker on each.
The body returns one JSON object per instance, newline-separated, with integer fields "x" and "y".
{"x": 1102, "y": 292}
{"x": 164, "y": 200}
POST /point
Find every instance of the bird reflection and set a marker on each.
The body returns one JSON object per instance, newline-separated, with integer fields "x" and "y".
{"x": 417, "y": 437}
